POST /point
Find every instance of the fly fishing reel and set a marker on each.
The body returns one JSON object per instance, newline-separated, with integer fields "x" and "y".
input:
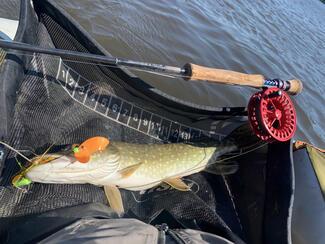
{"x": 272, "y": 115}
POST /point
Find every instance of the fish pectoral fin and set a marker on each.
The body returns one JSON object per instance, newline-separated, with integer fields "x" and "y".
{"x": 128, "y": 171}
{"x": 114, "y": 198}
{"x": 178, "y": 184}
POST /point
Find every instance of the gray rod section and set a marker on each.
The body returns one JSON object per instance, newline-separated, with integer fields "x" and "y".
{"x": 94, "y": 58}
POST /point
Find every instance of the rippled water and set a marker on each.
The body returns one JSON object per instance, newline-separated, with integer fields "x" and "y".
{"x": 279, "y": 39}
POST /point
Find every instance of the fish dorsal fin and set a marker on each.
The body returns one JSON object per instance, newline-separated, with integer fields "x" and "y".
{"x": 178, "y": 184}
{"x": 114, "y": 198}
{"x": 128, "y": 171}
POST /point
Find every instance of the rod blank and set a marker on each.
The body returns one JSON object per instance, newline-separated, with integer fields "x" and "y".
{"x": 188, "y": 72}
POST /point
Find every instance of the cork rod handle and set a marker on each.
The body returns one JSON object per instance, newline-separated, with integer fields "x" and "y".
{"x": 197, "y": 72}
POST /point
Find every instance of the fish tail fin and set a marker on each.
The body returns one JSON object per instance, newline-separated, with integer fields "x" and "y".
{"x": 223, "y": 161}
{"x": 219, "y": 165}
{"x": 226, "y": 168}
{"x": 227, "y": 147}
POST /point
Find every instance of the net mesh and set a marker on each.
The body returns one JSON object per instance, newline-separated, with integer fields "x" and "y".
{"x": 65, "y": 102}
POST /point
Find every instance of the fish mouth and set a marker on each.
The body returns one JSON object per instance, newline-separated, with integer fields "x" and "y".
{"x": 67, "y": 170}
{"x": 50, "y": 171}
{"x": 21, "y": 177}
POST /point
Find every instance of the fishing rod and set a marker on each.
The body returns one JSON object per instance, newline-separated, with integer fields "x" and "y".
{"x": 189, "y": 71}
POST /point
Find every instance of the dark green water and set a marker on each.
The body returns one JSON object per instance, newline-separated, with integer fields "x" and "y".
{"x": 279, "y": 39}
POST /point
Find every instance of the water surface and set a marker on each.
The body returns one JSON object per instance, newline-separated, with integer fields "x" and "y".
{"x": 279, "y": 39}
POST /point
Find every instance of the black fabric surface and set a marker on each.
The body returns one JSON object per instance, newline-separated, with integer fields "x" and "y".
{"x": 54, "y": 101}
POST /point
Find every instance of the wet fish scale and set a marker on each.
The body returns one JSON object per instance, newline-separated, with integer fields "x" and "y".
{"x": 160, "y": 161}
{"x": 152, "y": 164}
{"x": 129, "y": 166}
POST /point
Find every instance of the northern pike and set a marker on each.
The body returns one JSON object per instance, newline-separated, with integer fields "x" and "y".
{"x": 124, "y": 165}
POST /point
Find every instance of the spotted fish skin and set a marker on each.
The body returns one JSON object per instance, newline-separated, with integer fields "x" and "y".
{"x": 156, "y": 163}
{"x": 159, "y": 162}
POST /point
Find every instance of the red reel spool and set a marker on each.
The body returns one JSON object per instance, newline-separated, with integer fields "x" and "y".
{"x": 272, "y": 115}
